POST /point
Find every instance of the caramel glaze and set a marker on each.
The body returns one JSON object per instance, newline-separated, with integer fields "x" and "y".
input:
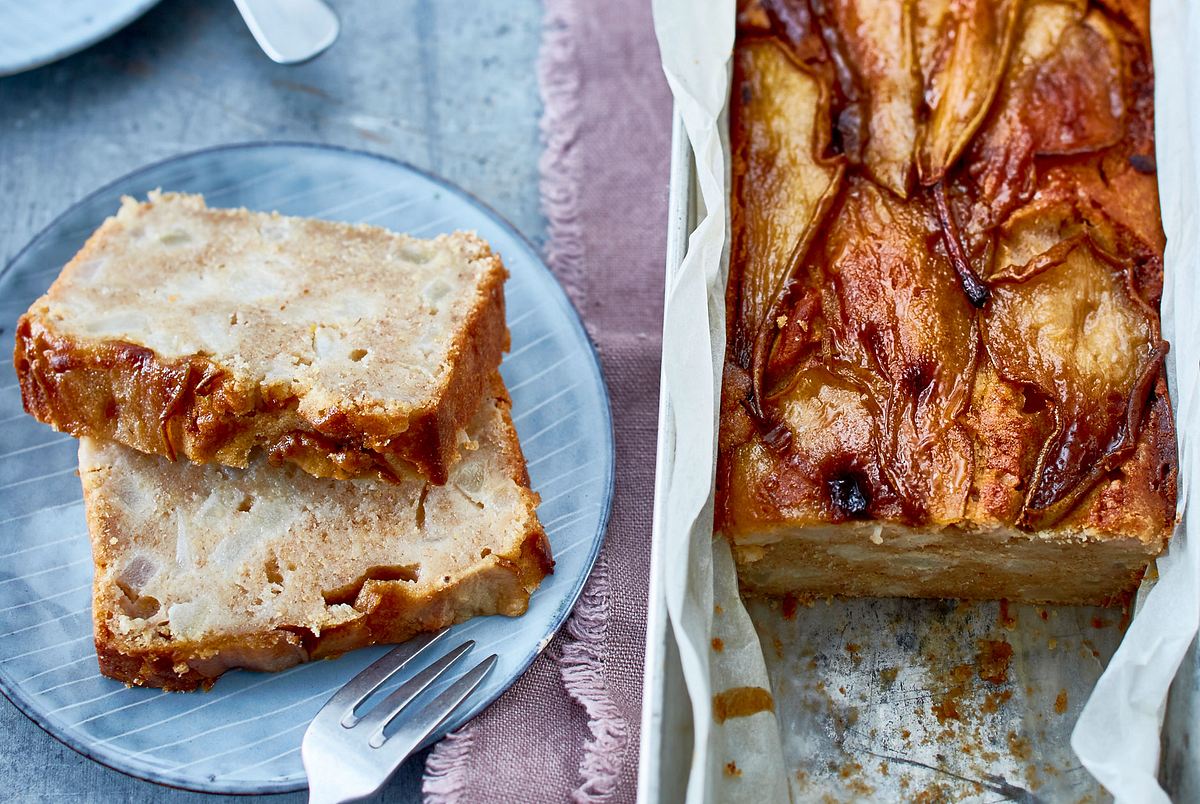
{"x": 190, "y": 408}
{"x": 960, "y": 343}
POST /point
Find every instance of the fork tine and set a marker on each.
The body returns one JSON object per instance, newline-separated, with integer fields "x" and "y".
{"x": 340, "y": 707}
{"x": 382, "y": 714}
{"x": 416, "y": 730}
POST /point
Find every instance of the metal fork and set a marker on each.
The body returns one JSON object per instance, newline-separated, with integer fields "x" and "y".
{"x": 346, "y": 754}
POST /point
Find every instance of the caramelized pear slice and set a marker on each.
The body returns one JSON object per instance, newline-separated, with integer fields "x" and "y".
{"x": 795, "y": 22}
{"x": 963, "y": 72}
{"x": 1135, "y": 12}
{"x": 878, "y": 39}
{"x": 1073, "y": 202}
{"x": 834, "y": 450}
{"x": 929, "y": 16}
{"x": 1078, "y": 334}
{"x": 1036, "y": 236}
{"x": 1062, "y": 95}
{"x": 1072, "y": 101}
{"x": 896, "y": 310}
{"x": 783, "y": 186}
{"x": 752, "y": 16}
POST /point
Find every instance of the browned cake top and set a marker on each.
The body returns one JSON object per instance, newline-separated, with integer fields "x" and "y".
{"x": 946, "y": 269}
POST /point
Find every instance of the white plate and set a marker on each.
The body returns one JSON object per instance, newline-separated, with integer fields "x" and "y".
{"x": 244, "y": 735}
{"x": 37, "y": 32}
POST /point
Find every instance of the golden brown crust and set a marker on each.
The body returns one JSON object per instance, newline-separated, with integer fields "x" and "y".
{"x": 195, "y": 409}
{"x": 978, "y": 358}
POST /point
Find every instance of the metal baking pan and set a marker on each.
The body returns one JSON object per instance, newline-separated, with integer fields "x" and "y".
{"x": 891, "y": 699}
{"x": 666, "y": 742}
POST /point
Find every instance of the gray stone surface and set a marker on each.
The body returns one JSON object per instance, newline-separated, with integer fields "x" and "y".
{"x": 449, "y": 87}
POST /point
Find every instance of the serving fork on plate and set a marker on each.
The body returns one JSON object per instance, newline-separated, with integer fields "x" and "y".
{"x": 350, "y": 754}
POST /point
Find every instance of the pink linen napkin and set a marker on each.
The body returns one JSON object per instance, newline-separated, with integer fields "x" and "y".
{"x": 569, "y": 729}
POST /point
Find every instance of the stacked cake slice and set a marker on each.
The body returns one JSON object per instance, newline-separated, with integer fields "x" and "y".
{"x": 295, "y": 439}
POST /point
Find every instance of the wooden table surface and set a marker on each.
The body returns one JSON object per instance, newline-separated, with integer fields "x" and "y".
{"x": 449, "y": 87}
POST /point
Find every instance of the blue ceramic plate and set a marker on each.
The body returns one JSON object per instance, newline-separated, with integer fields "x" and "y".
{"x": 37, "y": 32}
{"x": 244, "y": 735}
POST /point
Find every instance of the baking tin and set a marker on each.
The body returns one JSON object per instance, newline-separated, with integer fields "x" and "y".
{"x": 868, "y": 725}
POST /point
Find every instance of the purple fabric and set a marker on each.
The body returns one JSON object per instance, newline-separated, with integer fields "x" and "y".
{"x": 569, "y": 729}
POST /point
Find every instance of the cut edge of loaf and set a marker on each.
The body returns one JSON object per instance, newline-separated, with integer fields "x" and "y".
{"x": 887, "y": 559}
{"x": 392, "y": 616}
{"x": 195, "y": 408}
{"x": 383, "y": 611}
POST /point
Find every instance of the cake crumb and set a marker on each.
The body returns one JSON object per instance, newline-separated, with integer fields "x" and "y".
{"x": 741, "y": 702}
{"x": 1019, "y": 747}
{"x": 718, "y": 644}
{"x": 1060, "y": 702}
{"x": 947, "y": 708}
{"x": 731, "y": 769}
{"x": 993, "y": 660}
{"x": 1032, "y": 778}
{"x": 993, "y": 701}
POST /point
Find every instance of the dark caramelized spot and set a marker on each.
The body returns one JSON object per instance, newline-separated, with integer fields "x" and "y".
{"x": 918, "y": 378}
{"x": 846, "y": 136}
{"x": 849, "y": 496}
{"x": 1143, "y": 163}
{"x": 1035, "y": 403}
{"x": 778, "y": 437}
{"x": 797, "y": 25}
{"x": 976, "y": 291}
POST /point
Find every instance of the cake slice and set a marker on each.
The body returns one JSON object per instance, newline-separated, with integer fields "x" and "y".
{"x": 204, "y": 568}
{"x": 185, "y": 331}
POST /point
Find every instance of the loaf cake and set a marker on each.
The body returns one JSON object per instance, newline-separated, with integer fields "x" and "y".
{"x": 944, "y": 374}
{"x": 203, "y": 568}
{"x": 185, "y": 331}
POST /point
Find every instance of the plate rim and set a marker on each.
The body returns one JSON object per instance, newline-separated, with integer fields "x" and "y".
{"x": 83, "y": 747}
{"x": 133, "y": 12}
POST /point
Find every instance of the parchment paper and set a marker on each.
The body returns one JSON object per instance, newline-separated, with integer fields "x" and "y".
{"x": 740, "y": 758}
{"x": 1009, "y": 738}
{"x": 1130, "y": 697}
